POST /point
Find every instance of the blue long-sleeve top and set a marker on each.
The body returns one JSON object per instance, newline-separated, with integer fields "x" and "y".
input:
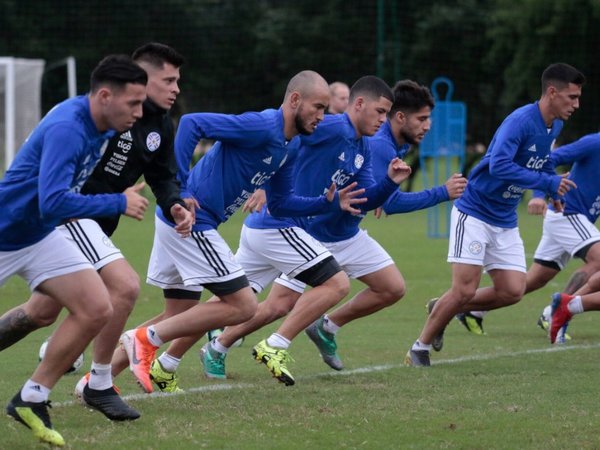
{"x": 584, "y": 155}
{"x": 517, "y": 159}
{"x": 333, "y": 153}
{"x": 384, "y": 148}
{"x": 41, "y": 187}
{"x": 250, "y": 149}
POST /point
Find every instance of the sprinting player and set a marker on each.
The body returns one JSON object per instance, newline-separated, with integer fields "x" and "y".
{"x": 38, "y": 192}
{"x": 339, "y": 97}
{"x": 483, "y": 228}
{"x": 408, "y": 122}
{"x": 251, "y": 149}
{"x": 570, "y": 233}
{"x": 146, "y": 149}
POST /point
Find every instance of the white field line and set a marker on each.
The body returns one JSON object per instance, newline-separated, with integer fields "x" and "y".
{"x": 361, "y": 370}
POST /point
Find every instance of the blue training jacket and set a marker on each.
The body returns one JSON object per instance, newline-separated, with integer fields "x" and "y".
{"x": 517, "y": 159}
{"x": 251, "y": 149}
{"x": 41, "y": 187}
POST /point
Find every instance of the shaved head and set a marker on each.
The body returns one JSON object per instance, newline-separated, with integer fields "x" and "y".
{"x": 306, "y": 83}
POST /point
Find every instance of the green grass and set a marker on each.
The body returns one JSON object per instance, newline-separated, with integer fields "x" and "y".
{"x": 507, "y": 390}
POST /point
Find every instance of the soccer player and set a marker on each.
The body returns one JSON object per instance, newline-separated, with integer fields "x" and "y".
{"x": 339, "y": 97}
{"x": 251, "y": 149}
{"x": 146, "y": 149}
{"x": 38, "y": 192}
{"x": 483, "y": 229}
{"x": 567, "y": 234}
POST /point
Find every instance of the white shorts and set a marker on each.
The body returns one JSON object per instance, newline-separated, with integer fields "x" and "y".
{"x": 358, "y": 256}
{"x": 564, "y": 236}
{"x": 267, "y": 253}
{"x": 95, "y": 245}
{"x": 51, "y": 257}
{"x": 189, "y": 263}
{"x": 473, "y": 241}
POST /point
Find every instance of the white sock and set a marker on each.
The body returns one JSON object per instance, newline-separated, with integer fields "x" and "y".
{"x": 575, "y": 306}
{"x": 100, "y": 377}
{"x": 478, "y": 314}
{"x": 218, "y": 347}
{"x": 329, "y": 325}
{"x": 34, "y": 392}
{"x": 168, "y": 362}
{"x": 278, "y": 341}
{"x": 418, "y": 345}
{"x": 153, "y": 336}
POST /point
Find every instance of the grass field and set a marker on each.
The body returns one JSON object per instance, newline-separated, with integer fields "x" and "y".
{"x": 507, "y": 390}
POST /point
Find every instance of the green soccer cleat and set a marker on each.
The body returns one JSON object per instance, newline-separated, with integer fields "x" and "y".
{"x": 326, "y": 344}
{"x": 166, "y": 381}
{"x": 275, "y": 359}
{"x": 438, "y": 340}
{"x": 471, "y": 323}
{"x": 35, "y": 417}
{"x": 213, "y": 362}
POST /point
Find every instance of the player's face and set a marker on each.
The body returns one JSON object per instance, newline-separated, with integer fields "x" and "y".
{"x": 163, "y": 87}
{"x": 311, "y": 111}
{"x": 416, "y": 125}
{"x": 122, "y": 107}
{"x": 339, "y": 100}
{"x": 565, "y": 101}
{"x": 372, "y": 114}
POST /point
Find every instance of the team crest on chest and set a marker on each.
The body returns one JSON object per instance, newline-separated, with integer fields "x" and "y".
{"x": 358, "y": 161}
{"x": 153, "y": 141}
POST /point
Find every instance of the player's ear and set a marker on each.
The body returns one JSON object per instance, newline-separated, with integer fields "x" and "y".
{"x": 295, "y": 99}
{"x": 104, "y": 94}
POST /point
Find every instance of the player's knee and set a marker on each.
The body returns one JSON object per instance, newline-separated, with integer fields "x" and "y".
{"x": 247, "y": 309}
{"x": 124, "y": 292}
{"x": 339, "y": 284}
{"x": 279, "y": 310}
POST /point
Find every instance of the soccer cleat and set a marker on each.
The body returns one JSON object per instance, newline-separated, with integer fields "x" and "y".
{"x": 213, "y": 362}
{"x": 560, "y": 314}
{"x": 82, "y": 383}
{"x": 109, "y": 403}
{"x": 544, "y": 323}
{"x": 326, "y": 344}
{"x": 275, "y": 359}
{"x": 471, "y": 323}
{"x": 417, "y": 358}
{"x": 141, "y": 353}
{"x": 166, "y": 381}
{"x": 438, "y": 340}
{"x": 35, "y": 417}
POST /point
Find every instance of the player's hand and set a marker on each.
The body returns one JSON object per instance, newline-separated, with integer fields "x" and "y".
{"x": 377, "y": 212}
{"x": 565, "y": 184}
{"x": 456, "y": 185}
{"x": 398, "y": 170}
{"x": 192, "y": 205}
{"x": 184, "y": 219}
{"x": 256, "y": 201}
{"x": 558, "y": 206}
{"x": 348, "y": 197}
{"x": 537, "y": 206}
{"x": 136, "y": 203}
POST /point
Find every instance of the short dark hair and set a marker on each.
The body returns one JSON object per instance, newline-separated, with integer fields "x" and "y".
{"x": 560, "y": 75}
{"x": 116, "y": 71}
{"x": 410, "y": 97}
{"x": 157, "y": 55}
{"x": 372, "y": 87}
